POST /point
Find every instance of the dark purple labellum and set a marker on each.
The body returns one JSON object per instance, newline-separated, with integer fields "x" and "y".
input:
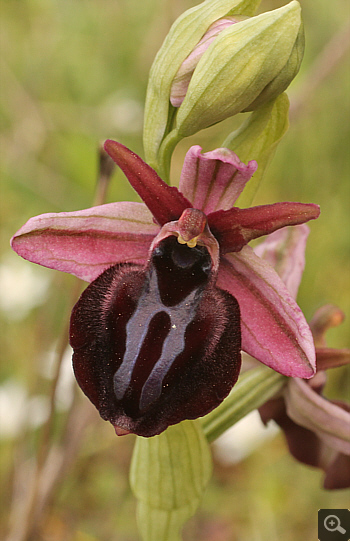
{"x": 158, "y": 344}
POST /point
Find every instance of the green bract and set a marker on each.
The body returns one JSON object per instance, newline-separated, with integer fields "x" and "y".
{"x": 183, "y": 36}
{"x": 257, "y": 138}
{"x": 168, "y": 476}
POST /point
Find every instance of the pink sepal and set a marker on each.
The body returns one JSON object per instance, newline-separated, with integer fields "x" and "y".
{"x": 87, "y": 242}
{"x": 274, "y": 329}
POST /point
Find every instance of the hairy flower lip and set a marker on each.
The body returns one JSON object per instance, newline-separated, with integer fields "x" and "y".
{"x": 156, "y": 375}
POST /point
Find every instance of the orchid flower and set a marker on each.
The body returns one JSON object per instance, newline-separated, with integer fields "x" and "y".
{"x": 317, "y": 430}
{"x": 175, "y": 291}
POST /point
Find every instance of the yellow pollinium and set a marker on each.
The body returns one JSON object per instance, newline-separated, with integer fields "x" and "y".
{"x": 190, "y": 243}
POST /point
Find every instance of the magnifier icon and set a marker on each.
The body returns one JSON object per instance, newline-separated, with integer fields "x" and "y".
{"x": 332, "y": 524}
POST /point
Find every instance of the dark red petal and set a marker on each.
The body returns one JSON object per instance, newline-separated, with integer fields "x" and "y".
{"x": 338, "y": 473}
{"x": 155, "y": 346}
{"x": 331, "y": 358}
{"x": 234, "y": 228}
{"x": 165, "y": 202}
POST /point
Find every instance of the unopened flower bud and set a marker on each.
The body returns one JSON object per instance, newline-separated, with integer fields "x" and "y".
{"x": 181, "y": 40}
{"x": 182, "y": 78}
{"x": 325, "y": 318}
{"x": 285, "y": 76}
{"x": 247, "y": 65}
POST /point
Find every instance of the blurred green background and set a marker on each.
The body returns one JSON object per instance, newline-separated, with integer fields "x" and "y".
{"x": 73, "y": 73}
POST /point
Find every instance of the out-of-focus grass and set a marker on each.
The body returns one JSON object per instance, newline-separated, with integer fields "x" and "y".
{"x": 73, "y": 73}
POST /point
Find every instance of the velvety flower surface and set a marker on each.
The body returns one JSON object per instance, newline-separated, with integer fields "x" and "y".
{"x": 175, "y": 291}
{"x": 317, "y": 430}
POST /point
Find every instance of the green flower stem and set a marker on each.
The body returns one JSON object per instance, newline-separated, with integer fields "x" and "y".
{"x": 253, "y": 389}
{"x": 164, "y": 155}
